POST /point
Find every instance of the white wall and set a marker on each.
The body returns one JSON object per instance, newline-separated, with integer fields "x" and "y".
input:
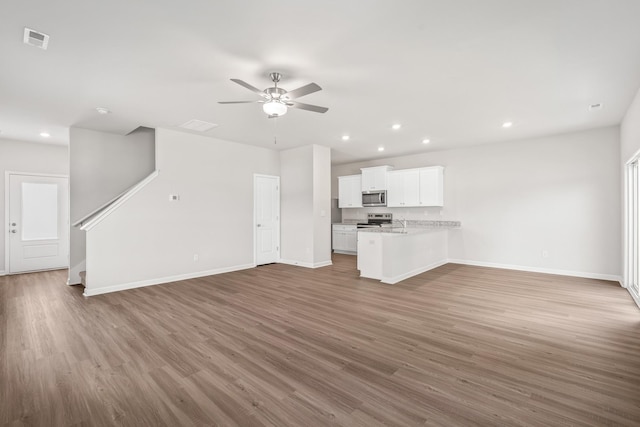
{"x": 103, "y": 165}
{"x": 151, "y": 239}
{"x": 321, "y": 205}
{"x": 306, "y": 206}
{"x": 559, "y": 194}
{"x": 20, "y": 156}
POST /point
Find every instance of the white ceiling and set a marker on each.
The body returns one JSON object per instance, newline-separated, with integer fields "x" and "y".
{"x": 451, "y": 71}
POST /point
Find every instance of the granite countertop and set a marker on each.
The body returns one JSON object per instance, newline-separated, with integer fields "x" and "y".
{"x": 414, "y": 227}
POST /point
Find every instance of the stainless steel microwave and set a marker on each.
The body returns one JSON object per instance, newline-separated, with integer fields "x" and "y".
{"x": 374, "y": 198}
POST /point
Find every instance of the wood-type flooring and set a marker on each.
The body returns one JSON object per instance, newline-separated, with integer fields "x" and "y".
{"x": 288, "y": 346}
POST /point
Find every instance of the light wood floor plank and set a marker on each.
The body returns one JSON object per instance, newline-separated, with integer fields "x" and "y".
{"x": 287, "y": 346}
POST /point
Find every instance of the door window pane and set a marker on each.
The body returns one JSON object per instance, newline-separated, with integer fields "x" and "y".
{"x": 39, "y": 211}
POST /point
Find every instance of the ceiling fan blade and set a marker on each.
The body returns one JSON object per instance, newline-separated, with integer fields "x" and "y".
{"x": 248, "y": 86}
{"x": 237, "y": 102}
{"x": 302, "y": 91}
{"x": 308, "y": 107}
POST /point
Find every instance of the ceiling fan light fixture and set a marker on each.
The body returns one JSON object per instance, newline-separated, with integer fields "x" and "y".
{"x": 274, "y": 108}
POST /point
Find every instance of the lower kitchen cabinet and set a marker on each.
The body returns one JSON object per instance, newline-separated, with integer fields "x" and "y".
{"x": 345, "y": 238}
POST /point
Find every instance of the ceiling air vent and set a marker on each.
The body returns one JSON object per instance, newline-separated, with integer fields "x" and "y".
{"x": 35, "y": 38}
{"x": 596, "y": 107}
{"x": 198, "y": 125}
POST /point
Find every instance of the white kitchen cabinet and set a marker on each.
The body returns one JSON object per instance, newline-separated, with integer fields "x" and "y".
{"x": 432, "y": 186}
{"x": 375, "y": 178}
{"x": 345, "y": 238}
{"x": 404, "y": 188}
{"x": 350, "y": 191}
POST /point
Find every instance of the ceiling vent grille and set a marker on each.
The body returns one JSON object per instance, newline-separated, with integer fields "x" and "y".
{"x": 36, "y": 38}
{"x": 198, "y": 125}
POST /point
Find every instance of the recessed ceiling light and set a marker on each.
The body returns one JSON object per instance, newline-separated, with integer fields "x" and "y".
{"x": 45, "y": 134}
{"x": 345, "y": 137}
{"x": 425, "y": 141}
{"x": 507, "y": 124}
{"x": 102, "y": 110}
{"x": 380, "y": 148}
{"x": 396, "y": 126}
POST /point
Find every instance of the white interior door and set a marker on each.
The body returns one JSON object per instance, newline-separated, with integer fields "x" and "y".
{"x": 267, "y": 218}
{"x": 38, "y": 222}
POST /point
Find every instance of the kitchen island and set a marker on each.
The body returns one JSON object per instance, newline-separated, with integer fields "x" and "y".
{"x": 394, "y": 254}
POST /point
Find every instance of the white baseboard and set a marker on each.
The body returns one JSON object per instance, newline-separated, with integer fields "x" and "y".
{"x": 401, "y": 277}
{"x": 1, "y": 272}
{"x": 586, "y": 275}
{"x": 306, "y": 264}
{"x": 124, "y": 286}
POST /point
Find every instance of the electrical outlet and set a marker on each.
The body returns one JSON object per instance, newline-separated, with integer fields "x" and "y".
{"x": 545, "y": 254}
{"x": 195, "y": 257}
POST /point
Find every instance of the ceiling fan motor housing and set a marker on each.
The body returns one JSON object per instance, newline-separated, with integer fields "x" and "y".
{"x": 275, "y": 92}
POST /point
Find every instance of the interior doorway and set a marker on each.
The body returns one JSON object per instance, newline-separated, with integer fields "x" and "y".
{"x": 266, "y": 190}
{"x": 37, "y": 222}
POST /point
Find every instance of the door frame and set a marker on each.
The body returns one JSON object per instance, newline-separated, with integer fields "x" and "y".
{"x": 631, "y": 261}
{"x": 7, "y": 198}
{"x": 255, "y": 219}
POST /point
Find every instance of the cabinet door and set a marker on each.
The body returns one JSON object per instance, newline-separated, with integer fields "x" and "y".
{"x": 395, "y": 192}
{"x": 368, "y": 180}
{"x": 375, "y": 178}
{"x": 351, "y": 241}
{"x": 349, "y": 191}
{"x": 356, "y": 192}
{"x": 338, "y": 241}
{"x": 411, "y": 187}
{"x": 432, "y": 186}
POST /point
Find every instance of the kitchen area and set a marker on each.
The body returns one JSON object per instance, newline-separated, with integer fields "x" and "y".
{"x": 388, "y": 248}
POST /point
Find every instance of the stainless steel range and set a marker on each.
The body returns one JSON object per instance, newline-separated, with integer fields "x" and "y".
{"x": 375, "y": 220}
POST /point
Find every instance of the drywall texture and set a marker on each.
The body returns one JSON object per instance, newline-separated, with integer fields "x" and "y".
{"x": 321, "y": 205}
{"x": 305, "y": 178}
{"x": 296, "y": 205}
{"x": 20, "y": 156}
{"x": 559, "y": 194}
{"x": 151, "y": 239}
{"x": 103, "y": 165}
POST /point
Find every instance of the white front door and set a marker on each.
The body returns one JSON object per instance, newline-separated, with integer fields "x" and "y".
{"x": 267, "y": 218}
{"x": 38, "y": 222}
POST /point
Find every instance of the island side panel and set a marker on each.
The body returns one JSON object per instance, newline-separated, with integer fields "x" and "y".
{"x": 406, "y": 255}
{"x": 369, "y": 260}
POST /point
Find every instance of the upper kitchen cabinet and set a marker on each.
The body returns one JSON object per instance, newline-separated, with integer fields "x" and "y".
{"x": 375, "y": 178}
{"x": 350, "y": 191}
{"x": 432, "y": 186}
{"x": 404, "y": 188}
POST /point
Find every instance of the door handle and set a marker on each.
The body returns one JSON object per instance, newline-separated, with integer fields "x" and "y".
{"x": 259, "y": 225}
{"x": 14, "y": 231}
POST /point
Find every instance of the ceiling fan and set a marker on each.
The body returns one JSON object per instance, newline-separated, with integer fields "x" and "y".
{"x": 276, "y": 100}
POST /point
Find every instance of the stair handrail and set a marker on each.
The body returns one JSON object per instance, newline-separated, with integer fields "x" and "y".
{"x": 92, "y": 219}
